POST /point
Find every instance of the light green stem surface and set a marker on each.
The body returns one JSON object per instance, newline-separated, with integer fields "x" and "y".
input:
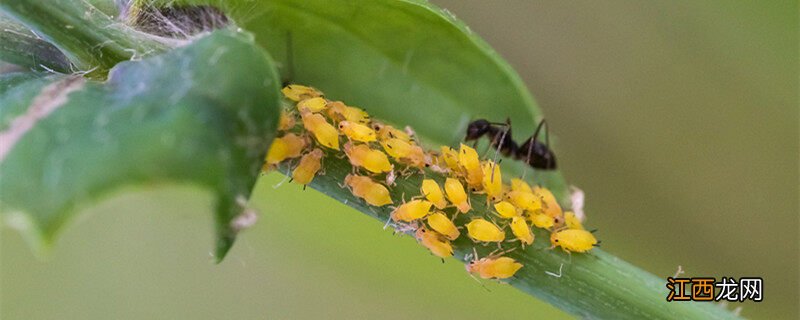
{"x": 593, "y": 285}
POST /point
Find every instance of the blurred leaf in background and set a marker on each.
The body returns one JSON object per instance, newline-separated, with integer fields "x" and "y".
{"x": 668, "y": 115}
{"x": 680, "y": 122}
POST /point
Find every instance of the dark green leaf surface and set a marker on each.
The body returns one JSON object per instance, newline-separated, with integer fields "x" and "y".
{"x": 93, "y": 41}
{"x": 21, "y": 47}
{"x": 201, "y": 114}
{"x": 408, "y": 62}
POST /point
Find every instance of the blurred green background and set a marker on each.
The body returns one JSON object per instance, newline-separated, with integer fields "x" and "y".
{"x": 678, "y": 119}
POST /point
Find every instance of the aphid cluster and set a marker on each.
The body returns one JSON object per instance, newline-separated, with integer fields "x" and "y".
{"x": 442, "y": 210}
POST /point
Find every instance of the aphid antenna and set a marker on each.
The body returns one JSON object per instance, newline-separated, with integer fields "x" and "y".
{"x": 389, "y": 220}
{"x": 498, "y": 252}
{"x": 467, "y": 257}
{"x": 479, "y": 282}
{"x": 277, "y": 185}
{"x": 474, "y": 254}
{"x": 679, "y": 272}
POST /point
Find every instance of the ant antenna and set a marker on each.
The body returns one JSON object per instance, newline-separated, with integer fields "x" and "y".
{"x": 289, "y": 58}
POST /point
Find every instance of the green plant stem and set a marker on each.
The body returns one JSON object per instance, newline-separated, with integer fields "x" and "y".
{"x": 90, "y": 39}
{"x": 21, "y": 47}
{"x": 593, "y": 285}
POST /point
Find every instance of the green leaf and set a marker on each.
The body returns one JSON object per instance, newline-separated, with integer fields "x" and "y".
{"x": 93, "y": 41}
{"x": 412, "y": 63}
{"x": 21, "y": 47}
{"x": 408, "y": 62}
{"x": 202, "y": 114}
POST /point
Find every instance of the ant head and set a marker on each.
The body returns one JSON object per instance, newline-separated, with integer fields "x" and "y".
{"x": 477, "y": 128}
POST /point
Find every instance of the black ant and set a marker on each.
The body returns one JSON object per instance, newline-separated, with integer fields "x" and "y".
{"x": 533, "y": 152}
{"x": 500, "y": 137}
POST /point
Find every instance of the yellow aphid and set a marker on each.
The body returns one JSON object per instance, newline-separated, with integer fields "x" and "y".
{"x": 572, "y": 221}
{"x": 286, "y": 147}
{"x": 309, "y": 165}
{"x": 494, "y": 268}
{"x": 455, "y": 193}
{"x": 386, "y": 132}
{"x": 573, "y": 240}
{"x": 362, "y": 155}
{"x": 312, "y": 104}
{"x": 357, "y": 131}
{"x": 506, "y": 209}
{"x": 416, "y": 158}
{"x": 323, "y": 131}
{"x": 412, "y": 210}
{"x": 541, "y": 220}
{"x": 286, "y": 121}
{"x": 551, "y": 207}
{"x": 439, "y": 222}
{"x": 363, "y": 187}
{"x": 520, "y": 185}
{"x": 397, "y": 148}
{"x": 468, "y": 157}
{"x": 439, "y": 246}
{"x": 482, "y": 230}
{"x": 521, "y": 230}
{"x": 524, "y": 200}
{"x": 469, "y": 161}
{"x": 450, "y": 157}
{"x": 430, "y": 189}
{"x": 340, "y": 111}
{"x": 405, "y": 152}
{"x": 492, "y": 181}
{"x": 297, "y": 92}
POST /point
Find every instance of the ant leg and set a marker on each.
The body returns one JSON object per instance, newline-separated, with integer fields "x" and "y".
{"x": 531, "y": 142}
{"x": 546, "y": 138}
{"x": 497, "y": 148}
